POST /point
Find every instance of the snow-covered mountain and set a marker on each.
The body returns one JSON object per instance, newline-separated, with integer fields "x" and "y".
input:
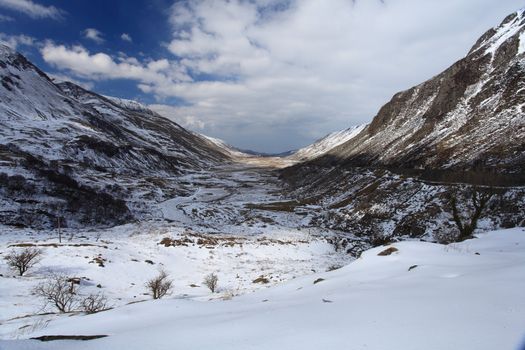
{"x": 128, "y": 104}
{"x": 463, "y": 127}
{"x": 224, "y": 147}
{"x": 326, "y": 143}
{"x": 470, "y": 117}
{"x": 66, "y": 151}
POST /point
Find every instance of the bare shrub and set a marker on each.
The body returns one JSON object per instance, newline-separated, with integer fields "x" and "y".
{"x": 94, "y": 303}
{"x": 160, "y": 285}
{"x": 377, "y": 240}
{"x": 333, "y": 268}
{"x": 60, "y": 291}
{"x": 24, "y": 259}
{"x": 211, "y": 282}
{"x": 467, "y": 221}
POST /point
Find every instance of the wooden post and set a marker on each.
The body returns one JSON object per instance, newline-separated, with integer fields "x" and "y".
{"x": 59, "y": 232}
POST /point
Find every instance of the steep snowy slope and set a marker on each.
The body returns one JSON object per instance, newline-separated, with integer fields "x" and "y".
{"x": 325, "y": 144}
{"x": 224, "y": 147}
{"x": 65, "y": 151}
{"x": 471, "y": 116}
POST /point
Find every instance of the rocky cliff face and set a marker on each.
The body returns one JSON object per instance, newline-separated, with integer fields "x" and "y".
{"x": 432, "y": 142}
{"x": 68, "y": 152}
{"x": 470, "y": 117}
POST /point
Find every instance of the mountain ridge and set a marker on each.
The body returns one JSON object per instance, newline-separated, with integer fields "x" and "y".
{"x": 452, "y": 120}
{"x": 456, "y": 134}
{"x": 69, "y": 152}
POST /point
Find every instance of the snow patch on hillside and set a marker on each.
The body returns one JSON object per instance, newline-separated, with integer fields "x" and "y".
{"x": 504, "y": 33}
{"x": 328, "y": 142}
{"x": 128, "y": 104}
{"x": 230, "y": 150}
{"x": 521, "y": 48}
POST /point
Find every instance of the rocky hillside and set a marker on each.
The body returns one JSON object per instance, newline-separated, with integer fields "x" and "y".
{"x": 68, "y": 152}
{"x": 429, "y": 144}
{"x": 470, "y": 117}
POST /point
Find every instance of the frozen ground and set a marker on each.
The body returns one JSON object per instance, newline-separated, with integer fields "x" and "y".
{"x": 422, "y": 296}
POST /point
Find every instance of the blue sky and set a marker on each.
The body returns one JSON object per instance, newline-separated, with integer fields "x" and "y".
{"x": 267, "y": 75}
{"x": 148, "y": 29}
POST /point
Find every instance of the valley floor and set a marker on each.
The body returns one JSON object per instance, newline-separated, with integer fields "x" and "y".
{"x": 282, "y": 284}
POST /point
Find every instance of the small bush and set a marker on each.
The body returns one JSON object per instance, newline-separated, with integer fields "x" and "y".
{"x": 160, "y": 285}
{"x": 59, "y": 291}
{"x": 467, "y": 222}
{"x": 24, "y": 259}
{"x": 94, "y": 303}
{"x": 211, "y": 282}
{"x": 378, "y": 240}
{"x": 333, "y": 268}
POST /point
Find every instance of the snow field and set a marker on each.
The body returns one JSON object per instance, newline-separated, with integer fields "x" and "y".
{"x": 131, "y": 255}
{"x": 462, "y": 296}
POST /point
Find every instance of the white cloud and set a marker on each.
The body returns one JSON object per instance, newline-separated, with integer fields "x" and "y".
{"x": 273, "y": 75}
{"x": 94, "y": 35}
{"x": 4, "y": 18}
{"x": 284, "y": 74}
{"x": 177, "y": 115}
{"x": 14, "y": 41}
{"x": 101, "y": 66}
{"x": 32, "y": 9}
{"x": 126, "y": 37}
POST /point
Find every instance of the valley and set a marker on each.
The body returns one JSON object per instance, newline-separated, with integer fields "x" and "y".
{"x": 221, "y": 226}
{"x": 120, "y": 227}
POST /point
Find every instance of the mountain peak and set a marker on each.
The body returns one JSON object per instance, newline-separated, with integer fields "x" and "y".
{"x": 510, "y": 29}
{"x": 6, "y": 51}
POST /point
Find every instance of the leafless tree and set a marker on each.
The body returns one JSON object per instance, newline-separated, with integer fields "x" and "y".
{"x": 60, "y": 291}
{"x": 211, "y": 282}
{"x": 94, "y": 303}
{"x": 468, "y": 221}
{"x": 160, "y": 285}
{"x": 23, "y": 259}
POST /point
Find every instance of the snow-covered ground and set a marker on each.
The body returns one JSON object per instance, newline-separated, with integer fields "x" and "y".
{"x": 132, "y": 254}
{"x": 423, "y": 296}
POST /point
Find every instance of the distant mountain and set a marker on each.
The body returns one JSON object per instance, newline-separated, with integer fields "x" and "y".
{"x": 471, "y": 117}
{"x": 68, "y": 152}
{"x": 231, "y": 151}
{"x": 265, "y": 154}
{"x": 327, "y": 143}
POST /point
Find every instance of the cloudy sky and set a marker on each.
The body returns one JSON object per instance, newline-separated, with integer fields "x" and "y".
{"x": 266, "y": 75}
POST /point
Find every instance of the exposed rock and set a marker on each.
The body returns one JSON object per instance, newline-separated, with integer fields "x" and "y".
{"x": 388, "y": 251}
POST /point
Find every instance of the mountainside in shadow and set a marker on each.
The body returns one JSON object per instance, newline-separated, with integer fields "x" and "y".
{"x": 68, "y": 152}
